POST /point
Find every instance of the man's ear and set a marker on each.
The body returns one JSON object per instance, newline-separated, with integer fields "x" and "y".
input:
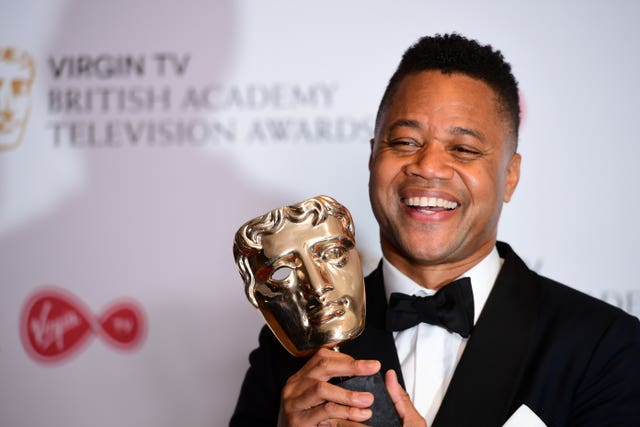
{"x": 513, "y": 176}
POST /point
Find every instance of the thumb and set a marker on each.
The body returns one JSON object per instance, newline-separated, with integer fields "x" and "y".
{"x": 402, "y": 402}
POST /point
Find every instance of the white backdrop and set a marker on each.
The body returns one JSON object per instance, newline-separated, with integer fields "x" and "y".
{"x": 157, "y": 128}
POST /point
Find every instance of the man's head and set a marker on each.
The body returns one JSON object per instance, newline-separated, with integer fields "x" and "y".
{"x": 302, "y": 270}
{"x": 452, "y": 53}
{"x": 443, "y": 157}
{"x": 17, "y": 72}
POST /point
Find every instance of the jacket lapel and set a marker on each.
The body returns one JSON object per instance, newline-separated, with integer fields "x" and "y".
{"x": 483, "y": 387}
{"x": 376, "y": 342}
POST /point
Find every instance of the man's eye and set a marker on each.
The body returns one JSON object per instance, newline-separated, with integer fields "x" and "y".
{"x": 403, "y": 145}
{"x": 464, "y": 152}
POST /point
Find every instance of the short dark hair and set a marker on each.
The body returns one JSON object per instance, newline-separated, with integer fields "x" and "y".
{"x": 453, "y": 53}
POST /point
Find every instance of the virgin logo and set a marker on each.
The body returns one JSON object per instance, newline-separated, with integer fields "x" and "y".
{"x": 55, "y": 324}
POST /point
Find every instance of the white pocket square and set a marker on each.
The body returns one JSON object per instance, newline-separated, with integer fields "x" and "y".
{"x": 524, "y": 417}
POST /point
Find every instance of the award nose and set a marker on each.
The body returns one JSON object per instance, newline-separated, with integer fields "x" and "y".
{"x": 315, "y": 279}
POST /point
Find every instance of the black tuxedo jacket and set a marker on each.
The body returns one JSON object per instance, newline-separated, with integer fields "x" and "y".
{"x": 572, "y": 359}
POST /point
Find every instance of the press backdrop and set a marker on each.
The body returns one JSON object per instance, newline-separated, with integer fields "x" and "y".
{"x": 154, "y": 129}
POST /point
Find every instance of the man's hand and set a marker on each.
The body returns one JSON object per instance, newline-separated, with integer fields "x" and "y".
{"x": 408, "y": 413}
{"x": 308, "y": 399}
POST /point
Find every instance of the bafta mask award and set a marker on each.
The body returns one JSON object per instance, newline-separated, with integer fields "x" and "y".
{"x": 301, "y": 269}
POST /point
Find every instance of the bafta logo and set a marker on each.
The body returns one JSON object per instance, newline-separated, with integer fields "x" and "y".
{"x": 17, "y": 71}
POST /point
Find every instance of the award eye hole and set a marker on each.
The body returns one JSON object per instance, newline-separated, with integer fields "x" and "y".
{"x": 280, "y": 273}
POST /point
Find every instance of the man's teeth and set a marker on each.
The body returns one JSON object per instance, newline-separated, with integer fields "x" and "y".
{"x": 430, "y": 202}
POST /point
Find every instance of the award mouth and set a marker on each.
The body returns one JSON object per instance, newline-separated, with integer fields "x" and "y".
{"x": 329, "y": 311}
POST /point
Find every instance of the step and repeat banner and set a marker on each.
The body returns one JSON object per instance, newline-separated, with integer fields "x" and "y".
{"x": 137, "y": 136}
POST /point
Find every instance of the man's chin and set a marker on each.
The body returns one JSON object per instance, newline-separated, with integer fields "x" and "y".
{"x": 425, "y": 248}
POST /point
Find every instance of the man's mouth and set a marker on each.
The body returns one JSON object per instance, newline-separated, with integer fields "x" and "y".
{"x": 430, "y": 205}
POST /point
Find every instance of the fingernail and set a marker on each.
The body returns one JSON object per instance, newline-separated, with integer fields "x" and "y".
{"x": 366, "y": 413}
{"x": 371, "y": 364}
{"x": 364, "y": 398}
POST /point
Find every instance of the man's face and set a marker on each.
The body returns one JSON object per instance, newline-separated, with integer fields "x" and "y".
{"x": 309, "y": 285}
{"x": 15, "y": 86}
{"x": 442, "y": 164}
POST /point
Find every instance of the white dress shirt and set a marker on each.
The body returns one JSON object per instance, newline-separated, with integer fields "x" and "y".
{"x": 429, "y": 354}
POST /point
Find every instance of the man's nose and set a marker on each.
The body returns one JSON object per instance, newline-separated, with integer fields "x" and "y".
{"x": 432, "y": 161}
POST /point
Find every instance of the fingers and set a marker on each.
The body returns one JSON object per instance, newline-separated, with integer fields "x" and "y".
{"x": 309, "y": 387}
{"x": 335, "y": 414}
{"x": 308, "y": 398}
{"x": 402, "y": 402}
{"x": 327, "y": 364}
{"x": 306, "y": 394}
{"x": 340, "y": 423}
{"x": 352, "y": 406}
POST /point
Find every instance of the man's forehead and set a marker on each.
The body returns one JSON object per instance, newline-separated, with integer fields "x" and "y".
{"x": 419, "y": 86}
{"x": 294, "y": 236}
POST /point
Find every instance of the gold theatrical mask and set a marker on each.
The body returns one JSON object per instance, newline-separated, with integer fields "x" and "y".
{"x": 302, "y": 270}
{"x": 17, "y": 72}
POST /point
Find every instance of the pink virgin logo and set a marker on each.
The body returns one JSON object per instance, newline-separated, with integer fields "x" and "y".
{"x": 55, "y": 324}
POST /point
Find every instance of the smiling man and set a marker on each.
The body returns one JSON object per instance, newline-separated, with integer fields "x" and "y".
{"x": 443, "y": 161}
{"x": 466, "y": 334}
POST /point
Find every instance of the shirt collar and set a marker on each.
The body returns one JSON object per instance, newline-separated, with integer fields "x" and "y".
{"x": 483, "y": 275}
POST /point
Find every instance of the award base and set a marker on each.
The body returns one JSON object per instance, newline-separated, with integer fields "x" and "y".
{"x": 384, "y": 413}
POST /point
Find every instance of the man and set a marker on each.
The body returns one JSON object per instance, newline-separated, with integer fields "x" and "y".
{"x": 443, "y": 161}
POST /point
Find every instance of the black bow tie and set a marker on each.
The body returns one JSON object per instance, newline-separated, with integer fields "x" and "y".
{"x": 451, "y": 307}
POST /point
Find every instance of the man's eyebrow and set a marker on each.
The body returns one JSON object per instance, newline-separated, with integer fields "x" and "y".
{"x": 459, "y": 130}
{"x": 456, "y": 130}
{"x": 414, "y": 124}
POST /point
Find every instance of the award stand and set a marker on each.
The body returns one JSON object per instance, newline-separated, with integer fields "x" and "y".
{"x": 301, "y": 269}
{"x": 384, "y": 413}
